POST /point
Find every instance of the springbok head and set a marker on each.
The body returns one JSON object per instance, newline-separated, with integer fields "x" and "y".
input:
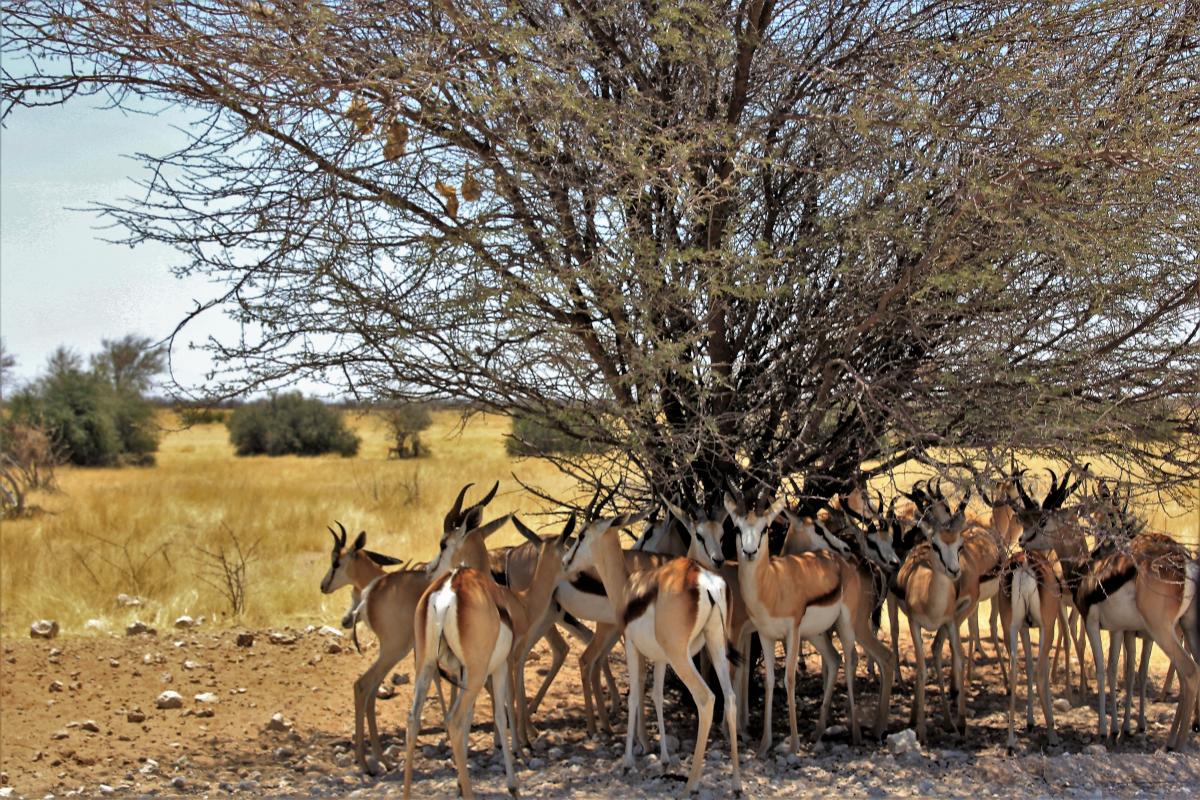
{"x": 704, "y": 531}
{"x": 811, "y": 533}
{"x": 452, "y": 549}
{"x": 580, "y": 554}
{"x": 1043, "y": 521}
{"x": 345, "y": 561}
{"x": 875, "y": 534}
{"x": 752, "y": 522}
{"x": 946, "y": 539}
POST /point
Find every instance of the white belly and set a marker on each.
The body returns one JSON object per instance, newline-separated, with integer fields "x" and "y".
{"x": 988, "y": 589}
{"x": 818, "y": 619}
{"x": 1119, "y": 612}
{"x": 585, "y": 606}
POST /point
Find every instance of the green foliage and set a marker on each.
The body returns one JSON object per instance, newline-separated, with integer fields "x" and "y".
{"x": 406, "y": 423}
{"x": 93, "y": 422}
{"x": 532, "y": 436}
{"x": 290, "y": 423}
{"x": 129, "y": 363}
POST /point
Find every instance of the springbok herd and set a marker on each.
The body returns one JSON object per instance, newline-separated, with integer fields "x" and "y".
{"x": 472, "y": 615}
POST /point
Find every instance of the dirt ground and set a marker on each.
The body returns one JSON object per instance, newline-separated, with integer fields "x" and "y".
{"x": 78, "y": 717}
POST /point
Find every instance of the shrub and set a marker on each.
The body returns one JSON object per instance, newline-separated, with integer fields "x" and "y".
{"x": 290, "y": 423}
{"x": 406, "y": 423}
{"x": 92, "y": 422}
{"x": 532, "y": 436}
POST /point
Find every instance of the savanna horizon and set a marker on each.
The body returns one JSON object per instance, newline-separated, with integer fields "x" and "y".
{"x": 139, "y": 531}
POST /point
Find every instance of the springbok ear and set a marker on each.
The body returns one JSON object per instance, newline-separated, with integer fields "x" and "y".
{"x": 487, "y": 530}
{"x": 361, "y": 541}
{"x": 634, "y": 519}
{"x": 730, "y": 507}
{"x": 678, "y": 512}
{"x": 381, "y": 559}
{"x": 568, "y": 529}
{"x": 793, "y": 518}
{"x": 525, "y": 531}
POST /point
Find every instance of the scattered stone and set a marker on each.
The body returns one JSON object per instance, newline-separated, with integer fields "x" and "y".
{"x": 178, "y": 782}
{"x": 184, "y": 622}
{"x": 400, "y": 678}
{"x": 282, "y": 637}
{"x": 149, "y": 768}
{"x": 90, "y": 726}
{"x": 333, "y": 648}
{"x": 385, "y": 692}
{"x": 245, "y": 639}
{"x": 166, "y": 677}
{"x": 1062, "y": 704}
{"x": 190, "y": 664}
{"x": 56, "y": 686}
{"x": 278, "y": 723}
{"x": 104, "y": 788}
{"x": 114, "y": 663}
{"x": 61, "y": 733}
{"x": 329, "y": 630}
{"x": 55, "y": 652}
{"x": 138, "y": 628}
{"x": 199, "y": 712}
{"x": 903, "y": 742}
{"x": 126, "y": 600}
{"x": 43, "y": 629}
{"x": 282, "y": 753}
{"x": 95, "y": 625}
{"x": 1095, "y": 749}
{"x": 207, "y": 697}
{"x": 135, "y": 714}
{"x": 169, "y": 699}
{"x": 6, "y": 791}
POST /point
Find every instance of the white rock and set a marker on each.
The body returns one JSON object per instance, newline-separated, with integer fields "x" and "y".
{"x": 149, "y": 768}
{"x": 903, "y": 742}
{"x": 207, "y": 697}
{"x": 95, "y": 625}
{"x": 104, "y": 788}
{"x": 169, "y": 699}
{"x": 6, "y": 791}
{"x": 185, "y": 622}
{"x": 278, "y": 723}
{"x": 138, "y": 627}
{"x": 189, "y": 664}
{"x": 328, "y": 630}
{"x": 179, "y": 782}
{"x": 1095, "y": 750}
{"x": 1062, "y": 704}
{"x": 43, "y": 629}
{"x": 125, "y": 600}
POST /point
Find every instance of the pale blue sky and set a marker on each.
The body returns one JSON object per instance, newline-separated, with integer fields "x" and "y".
{"x": 59, "y": 282}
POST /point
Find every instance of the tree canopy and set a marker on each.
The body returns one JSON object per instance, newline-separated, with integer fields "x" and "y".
{"x": 750, "y": 237}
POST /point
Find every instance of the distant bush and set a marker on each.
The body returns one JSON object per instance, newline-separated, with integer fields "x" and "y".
{"x": 532, "y": 436}
{"x": 405, "y": 422}
{"x": 197, "y": 415}
{"x": 92, "y": 421}
{"x": 290, "y": 423}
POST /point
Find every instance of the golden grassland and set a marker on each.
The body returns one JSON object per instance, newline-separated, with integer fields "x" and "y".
{"x": 141, "y": 531}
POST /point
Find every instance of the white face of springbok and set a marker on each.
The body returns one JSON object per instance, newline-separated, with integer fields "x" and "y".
{"x": 752, "y": 526}
{"x": 810, "y": 533}
{"x": 342, "y": 561}
{"x": 705, "y": 532}
{"x": 452, "y": 549}
{"x": 946, "y": 540}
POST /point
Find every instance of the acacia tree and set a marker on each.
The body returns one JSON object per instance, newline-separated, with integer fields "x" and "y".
{"x": 745, "y": 238}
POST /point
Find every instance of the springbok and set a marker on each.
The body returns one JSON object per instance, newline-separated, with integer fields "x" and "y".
{"x": 387, "y": 604}
{"x": 928, "y": 593}
{"x": 483, "y": 626}
{"x": 1150, "y": 588}
{"x": 667, "y": 613}
{"x": 1031, "y": 596}
{"x": 803, "y": 596}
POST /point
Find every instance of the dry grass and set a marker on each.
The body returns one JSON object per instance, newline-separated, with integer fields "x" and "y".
{"x": 139, "y": 531}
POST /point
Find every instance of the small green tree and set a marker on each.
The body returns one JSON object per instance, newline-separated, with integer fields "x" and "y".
{"x": 405, "y": 422}
{"x": 533, "y": 436}
{"x": 130, "y": 363}
{"x": 290, "y": 423}
{"x": 82, "y": 411}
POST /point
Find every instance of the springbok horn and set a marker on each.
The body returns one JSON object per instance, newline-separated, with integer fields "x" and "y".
{"x": 738, "y": 497}
{"x": 487, "y": 498}
{"x": 879, "y": 497}
{"x": 1054, "y": 487}
{"x": 1025, "y": 498}
{"x": 342, "y": 528}
{"x": 1071, "y": 490}
{"x": 589, "y": 514}
{"x": 336, "y": 542}
{"x": 452, "y": 521}
{"x": 568, "y": 529}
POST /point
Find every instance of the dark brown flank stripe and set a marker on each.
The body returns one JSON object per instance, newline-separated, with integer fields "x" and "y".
{"x": 585, "y": 583}
{"x": 829, "y": 597}
{"x": 1110, "y": 582}
{"x": 638, "y": 604}
{"x": 505, "y": 617}
{"x": 994, "y": 572}
{"x": 500, "y": 578}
